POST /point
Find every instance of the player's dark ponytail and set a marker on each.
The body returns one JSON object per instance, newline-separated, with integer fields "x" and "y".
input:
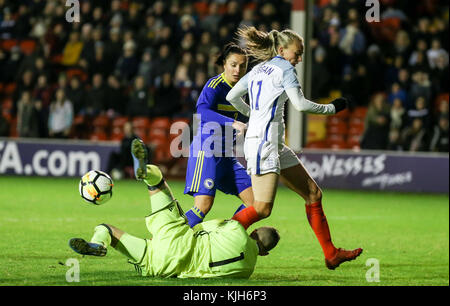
{"x": 230, "y": 48}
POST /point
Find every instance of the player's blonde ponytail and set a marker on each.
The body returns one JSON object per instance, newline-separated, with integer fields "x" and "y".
{"x": 262, "y": 45}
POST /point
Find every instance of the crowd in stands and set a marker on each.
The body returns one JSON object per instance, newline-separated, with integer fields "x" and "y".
{"x": 396, "y": 69}
{"x": 138, "y": 58}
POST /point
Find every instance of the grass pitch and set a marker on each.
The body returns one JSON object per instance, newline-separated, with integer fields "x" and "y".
{"x": 406, "y": 234}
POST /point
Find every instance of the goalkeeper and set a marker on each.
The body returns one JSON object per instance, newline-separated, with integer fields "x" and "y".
{"x": 216, "y": 248}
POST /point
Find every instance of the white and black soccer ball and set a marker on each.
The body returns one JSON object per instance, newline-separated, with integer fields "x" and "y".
{"x": 96, "y": 187}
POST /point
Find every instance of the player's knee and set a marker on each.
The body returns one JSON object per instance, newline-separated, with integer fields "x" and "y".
{"x": 263, "y": 211}
{"x": 315, "y": 193}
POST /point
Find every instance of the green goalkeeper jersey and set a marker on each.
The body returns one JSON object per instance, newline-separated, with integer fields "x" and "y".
{"x": 216, "y": 248}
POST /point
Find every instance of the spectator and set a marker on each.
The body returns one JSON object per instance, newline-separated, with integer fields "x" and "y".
{"x": 167, "y": 98}
{"x": 72, "y": 50}
{"x": 212, "y": 20}
{"x": 415, "y": 136}
{"x": 320, "y": 76}
{"x": 100, "y": 63}
{"x": 27, "y": 116}
{"x": 127, "y": 65}
{"x": 395, "y": 141}
{"x": 4, "y": 126}
{"x": 138, "y": 102}
{"x": 352, "y": 41}
{"x": 420, "y": 86}
{"x": 43, "y": 92}
{"x": 421, "y": 111}
{"x": 121, "y": 163}
{"x": 398, "y": 93}
{"x": 398, "y": 115}
{"x": 205, "y": 44}
{"x": 61, "y": 116}
{"x": 95, "y": 97}
{"x": 76, "y": 94}
{"x": 115, "y": 97}
{"x": 375, "y": 136}
{"x": 164, "y": 63}
{"x": 113, "y": 46}
{"x": 440, "y": 74}
{"x": 147, "y": 67}
{"x": 435, "y": 52}
{"x": 439, "y": 140}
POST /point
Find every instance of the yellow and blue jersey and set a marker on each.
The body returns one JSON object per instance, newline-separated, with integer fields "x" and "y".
{"x": 211, "y": 166}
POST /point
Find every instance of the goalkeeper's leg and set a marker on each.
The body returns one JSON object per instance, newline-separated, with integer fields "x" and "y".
{"x": 106, "y": 235}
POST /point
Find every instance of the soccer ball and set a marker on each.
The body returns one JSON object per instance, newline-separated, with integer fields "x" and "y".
{"x": 96, "y": 187}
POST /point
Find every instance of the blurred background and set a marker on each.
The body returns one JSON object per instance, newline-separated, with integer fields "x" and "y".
{"x": 134, "y": 67}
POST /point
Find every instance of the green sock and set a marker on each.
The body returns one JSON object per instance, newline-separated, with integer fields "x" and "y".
{"x": 101, "y": 236}
{"x": 132, "y": 247}
{"x": 161, "y": 199}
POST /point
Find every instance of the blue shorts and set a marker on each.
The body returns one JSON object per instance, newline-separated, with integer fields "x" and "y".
{"x": 206, "y": 174}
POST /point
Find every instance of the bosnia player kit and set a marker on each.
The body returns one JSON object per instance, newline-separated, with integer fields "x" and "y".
{"x": 211, "y": 165}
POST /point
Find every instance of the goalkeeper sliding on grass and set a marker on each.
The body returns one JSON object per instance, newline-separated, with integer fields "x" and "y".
{"x": 216, "y": 248}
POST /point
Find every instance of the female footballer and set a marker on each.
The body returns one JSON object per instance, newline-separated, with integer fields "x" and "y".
{"x": 269, "y": 85}
{"x": 210, "y": 166}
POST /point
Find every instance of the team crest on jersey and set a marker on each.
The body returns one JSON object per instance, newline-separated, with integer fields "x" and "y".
{"x": 209, "y": 183}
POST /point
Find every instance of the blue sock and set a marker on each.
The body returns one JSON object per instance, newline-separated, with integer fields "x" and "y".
{"x": 194, "y": 216}
{"x": 239, "y": 209}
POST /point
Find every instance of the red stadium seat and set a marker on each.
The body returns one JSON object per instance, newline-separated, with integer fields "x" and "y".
{"x": 161, "y": 150}
{"x": 338, "y": 128}
{"x": 120, "y": 121}
{"x": 101, "y": 123}
{"x": 344, "y": 114}
{"x": 338, "y": 145}
{"x": 13, "y": 127}
{"x": 316, "y": 145}
{"x": 9, "y": 89}
{"x": 27, "y": 46}
{"x": 116, "y": 134}
{"x": 76, "y": 73}
{"x": 359, "y": 112}
{"x": 161, "y": 123}
{"x": 7, "y": 44}
{"x": 140, "y": 122}
{"x": 439, "y": 99}
{"x": 98, "y": 136}
{"x": 353, "y": 142}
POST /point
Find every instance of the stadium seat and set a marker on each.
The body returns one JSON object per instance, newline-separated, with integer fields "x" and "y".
{"x": 7, "y": 44}
{"x": 116, "y": 134}
{"x": 161, "y": 150}
{"x": 140, "y": 122}
{"x": 119, "y": 121}
{"x": 27, "y": 46}
{"x": 161, "y": 123}
{"x": 98, "y": 136}
{"x": 338, "y": 145}
{"x": 9, "y": 89}
{"x": 356, "y": 127}
{"x": 13, "y": 127}
{"x": 337, "y": 128}
{"x": 316, "y": 145}
{"x": 76, "y": 73}
{"x": 439, "y": 98}
{"x": 359, "y": 112}
{"x": 353, "y": 142}
{"x": 101, "y": 123}
{"x": 344, "y": 114}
